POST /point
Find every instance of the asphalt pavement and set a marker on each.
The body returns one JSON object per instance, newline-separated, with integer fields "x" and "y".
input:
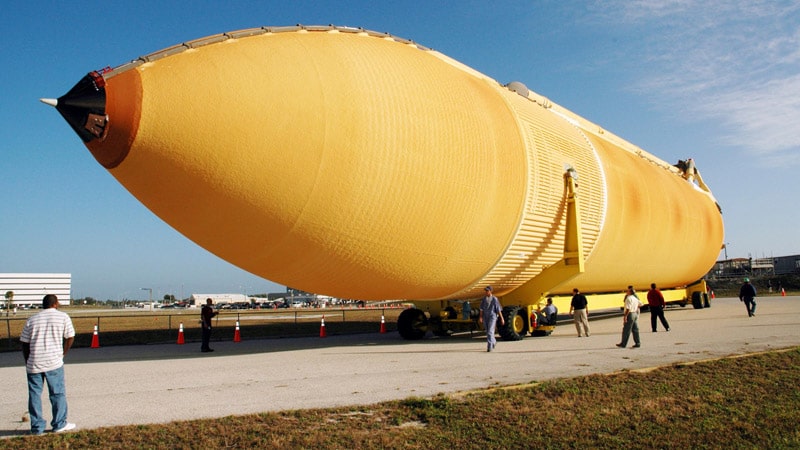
{"x": 144, "y": 384}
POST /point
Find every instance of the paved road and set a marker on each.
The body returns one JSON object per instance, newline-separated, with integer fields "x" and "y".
{"x": 162, "y": 383}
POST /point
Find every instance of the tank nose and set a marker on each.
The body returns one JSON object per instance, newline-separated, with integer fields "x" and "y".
{"x": 83, "y": 107}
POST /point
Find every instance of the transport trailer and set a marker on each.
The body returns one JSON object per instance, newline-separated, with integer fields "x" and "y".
{"x": 526, "y": 319}
{"x": 522, "y": 307}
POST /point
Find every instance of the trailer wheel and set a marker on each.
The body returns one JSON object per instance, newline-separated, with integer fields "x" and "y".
{"x": 516, "y": 324}
{"x": 697, "y": 300}
{"x": 706, "y": 303}
{"x": 412, "y": 324}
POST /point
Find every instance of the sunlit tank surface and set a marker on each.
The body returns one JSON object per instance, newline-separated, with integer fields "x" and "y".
{"x": 360, "y": 165}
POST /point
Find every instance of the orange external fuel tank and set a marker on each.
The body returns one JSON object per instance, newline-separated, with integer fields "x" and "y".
{"x": 359, "y": 165}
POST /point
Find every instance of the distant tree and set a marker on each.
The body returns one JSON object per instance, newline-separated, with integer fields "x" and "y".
{"x": 169, "y": 297}
{"x": 9, "y": 301}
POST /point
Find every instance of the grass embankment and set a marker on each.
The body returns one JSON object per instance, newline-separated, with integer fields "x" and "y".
{"x": 747, "y": 402}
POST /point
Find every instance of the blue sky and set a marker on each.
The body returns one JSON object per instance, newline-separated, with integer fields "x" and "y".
{"x": 718, "y": 81}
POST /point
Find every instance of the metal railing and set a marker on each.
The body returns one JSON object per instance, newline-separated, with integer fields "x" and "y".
{"x": 146, "y": 327}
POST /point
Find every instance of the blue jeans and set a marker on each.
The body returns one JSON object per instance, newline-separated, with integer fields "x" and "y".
{"x": 490, "y": 321}
{"x": 750, "y": 303}
{"x": 58, "y": 399}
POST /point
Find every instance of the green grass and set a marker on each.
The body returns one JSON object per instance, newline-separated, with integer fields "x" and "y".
{"x": 743, "y": 402}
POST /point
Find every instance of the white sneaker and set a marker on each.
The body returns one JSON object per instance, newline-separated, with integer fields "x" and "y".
{"x": 68, "y": 426}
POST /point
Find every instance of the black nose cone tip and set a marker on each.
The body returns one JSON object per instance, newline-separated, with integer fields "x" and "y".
{"x": 83, "y": 107}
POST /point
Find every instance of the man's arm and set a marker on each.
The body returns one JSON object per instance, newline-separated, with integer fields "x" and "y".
{"x": 68, "y": 344}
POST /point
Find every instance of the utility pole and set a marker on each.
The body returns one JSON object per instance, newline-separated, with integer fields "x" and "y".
{"x": 151, "y": 295}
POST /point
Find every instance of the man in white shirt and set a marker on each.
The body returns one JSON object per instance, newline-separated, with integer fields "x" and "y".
{"x": 630, "y": 319}
{"x": 46, "y": 338}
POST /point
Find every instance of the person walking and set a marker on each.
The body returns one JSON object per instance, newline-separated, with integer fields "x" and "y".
{"x": 466, "y": 310}
{"x": 46, "y": 338}
{"x": 630, "y": 319}
{"x": 747, "y": 294}
{"x": 206, "y": 314}
{"x": 579, "y": 309}
{"x": 655, "y": 299}
{"x": 490, "y": 314}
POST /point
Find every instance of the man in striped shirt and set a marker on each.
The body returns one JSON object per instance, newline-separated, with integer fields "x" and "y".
{"x": 46, "y": 338}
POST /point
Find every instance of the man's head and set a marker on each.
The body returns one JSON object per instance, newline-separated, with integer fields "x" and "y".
{"x": 652, "y": 285}
{"x": 747, "y": 280}
{"x": 575, "y": 290}
{"x": 549, "y": 300}
{"x": 49, "y": 301}
{"x": 209, "y": 302}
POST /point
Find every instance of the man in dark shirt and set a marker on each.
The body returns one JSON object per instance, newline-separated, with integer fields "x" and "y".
{"x": 206, "y": 314}
{"x": 579, "y": 308}
{"x": 747, "y": 294}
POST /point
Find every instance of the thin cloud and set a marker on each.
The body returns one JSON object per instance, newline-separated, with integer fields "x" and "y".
{"x": 734, "y": 62}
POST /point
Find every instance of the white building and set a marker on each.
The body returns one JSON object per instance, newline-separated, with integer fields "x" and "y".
{"x": 198, "y": 300}
{"x": 30, "y": 288}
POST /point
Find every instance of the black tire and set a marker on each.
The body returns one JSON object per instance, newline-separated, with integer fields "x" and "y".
{"x": 412, "y": 324}
{"x": 706, "y": 303}
{"x": 697, "y": 300}
{"x": 516, "y": 324}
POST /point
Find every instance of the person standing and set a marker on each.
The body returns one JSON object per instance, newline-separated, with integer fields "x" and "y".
{"x": 206, "y": 314}
{"x": 466, "y": 310}
{"x": 630, "y": 319}
{"x": 747, "y": 294}
{"x": 490, "y": 313}
{"x": 655, "y": 299}
{"x": 46, "y": 338}
{"x": 579, "y": 309}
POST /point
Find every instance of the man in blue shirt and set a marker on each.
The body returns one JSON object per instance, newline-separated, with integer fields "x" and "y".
{"x": 490, "y": 312}
{"x": 549, "y": 312}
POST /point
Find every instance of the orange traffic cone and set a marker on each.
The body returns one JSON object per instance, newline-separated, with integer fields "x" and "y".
{"x": 383, "y": 324}
{"x": 95, "y": 338}
{"x": 712, "y": 295}
{"x": 322, "y": 332}
{"x": 237, "y": 337}
{"x": 783, "y": 292}
{"x": 180, "y": 334}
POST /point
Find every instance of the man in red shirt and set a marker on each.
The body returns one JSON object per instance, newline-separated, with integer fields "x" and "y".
{"x": 656, "y": 302}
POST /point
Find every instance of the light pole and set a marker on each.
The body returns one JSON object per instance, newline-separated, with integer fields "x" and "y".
{"x": 151, "y": 295}
{"x": 725, "y": 247}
